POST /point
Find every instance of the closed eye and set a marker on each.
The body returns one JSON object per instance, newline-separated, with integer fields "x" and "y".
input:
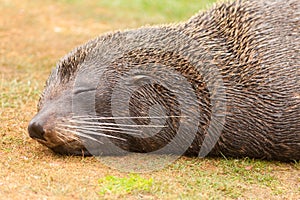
{"x": 82, "y": 90}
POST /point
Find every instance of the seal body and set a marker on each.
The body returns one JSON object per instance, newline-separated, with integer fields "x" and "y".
{"x": 226, "y": 82}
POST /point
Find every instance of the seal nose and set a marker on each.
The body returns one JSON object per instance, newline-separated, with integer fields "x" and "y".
{"x": 36, "y": 131}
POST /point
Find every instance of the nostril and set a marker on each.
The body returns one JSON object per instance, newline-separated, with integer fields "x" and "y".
{"x": 36, "y": 131}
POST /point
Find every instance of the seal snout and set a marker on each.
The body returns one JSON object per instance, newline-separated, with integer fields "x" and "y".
{"x": 36, "y": 130}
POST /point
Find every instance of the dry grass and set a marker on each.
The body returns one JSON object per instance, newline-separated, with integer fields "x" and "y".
{"x": 34, "y": 35}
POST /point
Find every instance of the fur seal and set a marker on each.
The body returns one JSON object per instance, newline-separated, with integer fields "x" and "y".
{"x": 225, "y": 82}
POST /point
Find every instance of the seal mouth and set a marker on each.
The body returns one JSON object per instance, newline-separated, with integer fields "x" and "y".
{"x": 65, "y": 150}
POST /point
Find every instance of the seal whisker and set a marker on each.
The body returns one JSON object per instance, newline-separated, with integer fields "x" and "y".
{"x": 103, "y": 135}
{"x": 92, "y": 133}
{"x": 64, "y": 138}
{"x": 138, "y": 117}
{"x": 83, "y": 135}
{"x": 114, "y": 124}
{"x": 99, "y": 128}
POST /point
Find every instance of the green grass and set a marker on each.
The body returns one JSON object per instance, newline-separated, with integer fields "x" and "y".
{"x": 16, "y": 92}
{"x": 133, "y": 183}
{"x": 193, "y": 178}
{"x": 137, "y": 12}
